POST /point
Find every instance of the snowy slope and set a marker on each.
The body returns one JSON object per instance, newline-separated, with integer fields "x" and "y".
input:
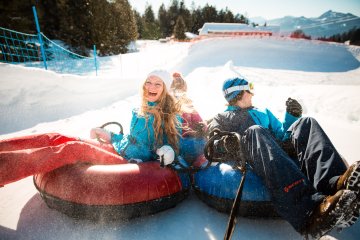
{"x": 324, "y": 77}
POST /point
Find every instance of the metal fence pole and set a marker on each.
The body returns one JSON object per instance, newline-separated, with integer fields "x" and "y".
{"x": 40, "y": 38}
{"x": 96, "y": 68}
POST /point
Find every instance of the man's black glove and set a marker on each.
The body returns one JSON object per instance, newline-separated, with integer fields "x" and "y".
{"x": 223, "y": 146}
{"x": 293, "y": 107}
{"x": 230, "y": 144}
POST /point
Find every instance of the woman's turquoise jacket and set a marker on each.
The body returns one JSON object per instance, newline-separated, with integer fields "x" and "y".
{"x": 140, "y": 142}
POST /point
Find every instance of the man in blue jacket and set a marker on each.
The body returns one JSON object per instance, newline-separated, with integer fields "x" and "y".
{"x": 308, "y": 181}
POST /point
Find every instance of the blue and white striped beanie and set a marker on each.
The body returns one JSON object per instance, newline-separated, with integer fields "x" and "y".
{"x": 233, "y": 86}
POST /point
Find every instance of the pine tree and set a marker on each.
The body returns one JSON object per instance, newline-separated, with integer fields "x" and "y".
{"x": 51, "y": 19}
{"x": 18, "y": 15}
{"x": 119, "y": 29}
{"x": 173, "y": 14}
{"x": 239, "y": 18}
{"x": 180, "y": 28}
{"x": 163, "y": 20}
{"x": 151, "y": 27}
{"x": 228, "y": 16}
{"x": 75, "y": 24}
{"x": 355, "y": 37}
{"x": 139, "y": 23}
{"x": 111, "y": 26}
{"x": 149, "y": 14}
{"x": 221, "y": 16}
{"x": 209, "y": 13}
{"x": 185, "y": 14}
{"x": 197, "y": 20}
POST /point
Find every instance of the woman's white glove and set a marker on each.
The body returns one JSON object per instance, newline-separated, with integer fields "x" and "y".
{"x": 101, "y": 134}
{"x": 166, "y": 155}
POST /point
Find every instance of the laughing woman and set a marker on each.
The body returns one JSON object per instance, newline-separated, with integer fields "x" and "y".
{"x": 154, "y": 124}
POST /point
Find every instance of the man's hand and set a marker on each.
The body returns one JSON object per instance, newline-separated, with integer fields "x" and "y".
{"x": 293, "y": 107}
{"x": 231, "y": 143}
{"x": 227, "y": 144}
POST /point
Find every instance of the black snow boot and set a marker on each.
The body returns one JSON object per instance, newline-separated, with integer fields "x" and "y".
{"x": 330, "y": 213}
{"x": 351, "y": 180}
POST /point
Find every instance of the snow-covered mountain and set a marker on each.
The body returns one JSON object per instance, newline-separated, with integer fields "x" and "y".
{"x": 328, "y": 24}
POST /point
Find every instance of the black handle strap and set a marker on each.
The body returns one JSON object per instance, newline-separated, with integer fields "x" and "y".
{"x": 121, "y": 131}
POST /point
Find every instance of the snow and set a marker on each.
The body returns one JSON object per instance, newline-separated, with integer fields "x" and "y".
{"x": 324, "y": 77}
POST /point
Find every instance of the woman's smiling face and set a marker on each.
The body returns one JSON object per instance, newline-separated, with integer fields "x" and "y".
{"x": 153, "y": 88}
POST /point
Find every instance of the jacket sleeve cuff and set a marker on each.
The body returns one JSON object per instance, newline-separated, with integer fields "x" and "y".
{"x": 116, "y": 137}
{"x": 289, "y": 119}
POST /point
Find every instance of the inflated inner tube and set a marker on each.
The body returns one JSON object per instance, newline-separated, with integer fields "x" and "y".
{"x": 112, "y": 192}
{"x": 217, "y": 185}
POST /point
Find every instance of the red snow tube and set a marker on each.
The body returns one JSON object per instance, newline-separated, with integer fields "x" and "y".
{"x": 111, "y": 191}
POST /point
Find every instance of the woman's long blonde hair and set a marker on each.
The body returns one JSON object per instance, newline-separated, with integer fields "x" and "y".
{"x": 165, "y": 117}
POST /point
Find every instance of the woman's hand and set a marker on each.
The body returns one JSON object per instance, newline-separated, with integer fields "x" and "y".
{"x": 166, "y": 155}
{"x": 101, "y": 134}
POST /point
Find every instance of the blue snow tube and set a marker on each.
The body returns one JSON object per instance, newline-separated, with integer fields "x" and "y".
{"x": 217, "y": 186}
{"x": 191, "y": 148}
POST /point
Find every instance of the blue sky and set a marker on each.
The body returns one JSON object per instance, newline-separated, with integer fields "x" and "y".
{"x": 269, "y": 9}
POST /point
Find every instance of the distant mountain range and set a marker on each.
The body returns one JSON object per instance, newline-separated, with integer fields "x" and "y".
{"x": 328, "y": 24}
